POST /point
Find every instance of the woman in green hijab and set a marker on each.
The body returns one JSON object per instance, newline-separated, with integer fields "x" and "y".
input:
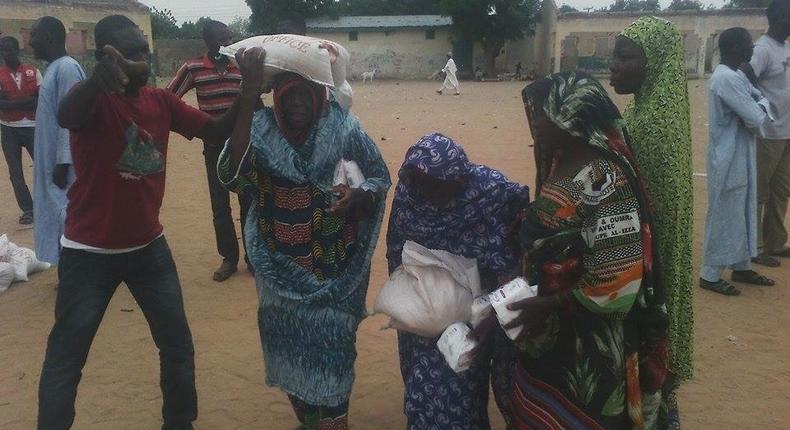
{"x": 649, "y": 62}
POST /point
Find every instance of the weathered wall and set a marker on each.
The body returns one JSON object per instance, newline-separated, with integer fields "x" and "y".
{"x": 17, "y": 18}
{"x": 401, "y": 54}
{"x": 586, "y": 41}
{"x": 172, "y": 53}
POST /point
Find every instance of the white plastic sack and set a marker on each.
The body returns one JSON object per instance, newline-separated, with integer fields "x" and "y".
{"x": 430, "y": 291}
{"x": 348, "y": 173}
{"x": 321, "y": 61}
{"x": 25, "y": 263}
{"x": 6, "y": 276}
{"x": 5, "y": 249}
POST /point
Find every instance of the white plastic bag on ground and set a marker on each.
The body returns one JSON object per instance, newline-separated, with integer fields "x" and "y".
{"x": 321, "y": 61}
{"x": 6, "y": 276}
{"x": 5, "y": 249}
{"x": 514, "y": 291}
{"x": 456, "y": 347}
{"x": 430, "y": 291}
{"x": 348, "y": 173}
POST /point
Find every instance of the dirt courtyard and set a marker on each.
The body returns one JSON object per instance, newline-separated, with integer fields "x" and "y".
{"x": 742, "y": 344}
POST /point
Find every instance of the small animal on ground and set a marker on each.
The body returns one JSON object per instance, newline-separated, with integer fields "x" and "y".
{"x": 369, "y": 76}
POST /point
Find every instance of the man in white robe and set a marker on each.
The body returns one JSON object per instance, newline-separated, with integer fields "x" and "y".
{"x": 52, "y": 170}
{"x": 450, "y": 80}
{"x": 737, "y": 112}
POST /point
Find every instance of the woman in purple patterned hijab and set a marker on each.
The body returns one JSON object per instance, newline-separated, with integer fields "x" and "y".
{"x": 443, "y": 201}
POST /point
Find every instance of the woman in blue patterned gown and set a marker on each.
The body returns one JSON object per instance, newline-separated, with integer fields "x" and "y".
{"x": 310, "y": 243}
{"x": 443, "y": 201}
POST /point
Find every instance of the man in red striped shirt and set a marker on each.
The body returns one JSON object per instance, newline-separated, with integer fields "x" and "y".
{"x": 216, "y": 79}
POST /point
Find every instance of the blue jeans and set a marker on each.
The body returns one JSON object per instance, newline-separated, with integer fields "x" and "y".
{"x": 86, "y": 285}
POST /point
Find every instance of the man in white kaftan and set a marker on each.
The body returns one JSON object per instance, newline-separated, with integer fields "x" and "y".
{"x": 737, "y": 112}
{"x": 450, "y": 80}
{"x": 52, "y": 171}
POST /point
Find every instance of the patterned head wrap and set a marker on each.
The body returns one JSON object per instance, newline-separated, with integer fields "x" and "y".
{"x": 659, "y": 124}
{"x": 318, "y": 95}
{"x": 475, "y": 224}
{"x": 578, "y": 104}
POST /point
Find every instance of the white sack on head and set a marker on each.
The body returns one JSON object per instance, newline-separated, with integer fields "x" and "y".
{"x": 321, "y": 61}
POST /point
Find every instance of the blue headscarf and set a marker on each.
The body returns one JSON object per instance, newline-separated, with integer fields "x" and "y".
{"x": 475, "y": 224}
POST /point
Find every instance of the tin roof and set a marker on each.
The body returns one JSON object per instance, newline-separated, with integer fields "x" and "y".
{"x": 369, "y": 23}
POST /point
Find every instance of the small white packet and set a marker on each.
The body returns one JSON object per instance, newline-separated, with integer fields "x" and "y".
{"x": 481, "y": 310}
{"x": 457, "y": 347}
{"x": 514, "y": 291}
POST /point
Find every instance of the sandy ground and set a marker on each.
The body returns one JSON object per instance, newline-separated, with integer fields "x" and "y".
{"x": 742, "y": 374}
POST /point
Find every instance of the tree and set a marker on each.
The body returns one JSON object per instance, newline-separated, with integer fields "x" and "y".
{"x": 492, "y": 22}
{"x": 163, "y": 24}
{"x": 567, "y": 9}
{"x": 685, "y": 5}
{"x": 240, "y": 27}
{"x": 635, "y": 6}
{"x": 267, "y": 13}
{"x": 743, "y": 4}
{"x": 193, "y": 30}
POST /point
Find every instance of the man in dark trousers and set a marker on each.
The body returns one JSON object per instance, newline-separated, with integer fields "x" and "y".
{"x": 216, "y": 79}
{"x": 19, "y": 85}
{"x": 120, "y": 128}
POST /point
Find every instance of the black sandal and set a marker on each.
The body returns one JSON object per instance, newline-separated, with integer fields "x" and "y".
{"x": 766, "y": 260}
{"x": 751, "y": 277}
{"x": 721, "y": 286}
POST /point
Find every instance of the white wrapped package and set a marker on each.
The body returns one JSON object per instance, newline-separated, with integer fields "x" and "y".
{"x": 456, "y": 347}
{"x": 431, "y": 290}
{"x": 514, "y": 291}
{"x": 25, "y": 263}
{"x": 348, "y": 173}
{"x": 321, "y": 61}
{"x": 6, "y": 276}
{"x": 481, "y": 310}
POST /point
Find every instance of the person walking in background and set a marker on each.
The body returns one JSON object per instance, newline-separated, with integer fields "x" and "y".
{"x": 769, "y": 71}
{"x": 216, "y": 79}
{"x": 19, "y": 84}
{"x": 735, "y": 118}
{"x": 649, "y": 62}
{"x": 450, "y": 80}
{"x": 52, "y": 171}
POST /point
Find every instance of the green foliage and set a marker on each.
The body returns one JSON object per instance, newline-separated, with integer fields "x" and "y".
{"x": 163, "y": 24}
{"x": 492, "y": 22}
{"x": 267, "y": 13}
{"x": 567, "y": 9}
{"x": 742, "y": 4}
{"x": 193, "y": 30}
{"x": 240, "y": 28}
{"x": 635, "y": 6}
{"x": 685, "y": 5}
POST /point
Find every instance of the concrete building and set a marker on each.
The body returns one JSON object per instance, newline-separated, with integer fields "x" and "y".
{"x": 585, "y": 40}
{"x": 78, "y": 16}
{"x": 396, "y": 46}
